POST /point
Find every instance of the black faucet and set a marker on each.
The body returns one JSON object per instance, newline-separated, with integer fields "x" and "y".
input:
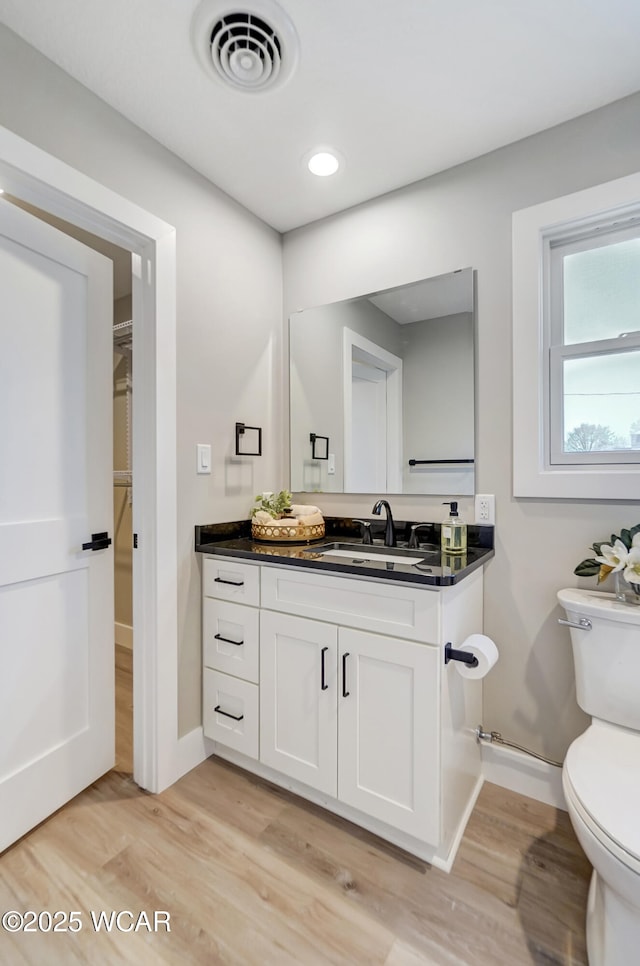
{"x": 389, "y": 533}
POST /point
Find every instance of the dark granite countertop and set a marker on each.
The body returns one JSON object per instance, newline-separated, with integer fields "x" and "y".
{"x": 234, "y": 540}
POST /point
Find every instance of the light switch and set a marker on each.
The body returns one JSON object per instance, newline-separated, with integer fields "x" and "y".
{"x": 331, "y": 464}
{"x": 203, "y": 451}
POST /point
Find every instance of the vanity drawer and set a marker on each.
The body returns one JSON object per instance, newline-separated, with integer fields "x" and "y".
{"x": 230, "y": 638}
{"x": 235, "y": 698}
{"x": 229, "y": 579}
{"x": 400, "y": 611}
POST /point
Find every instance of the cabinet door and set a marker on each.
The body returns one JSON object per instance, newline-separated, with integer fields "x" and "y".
{"x": 298, "y": 699}
{"x": 388, "y": 750}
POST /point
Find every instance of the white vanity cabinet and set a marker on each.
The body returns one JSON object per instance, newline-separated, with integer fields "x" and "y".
{"x": 356, "y": 709}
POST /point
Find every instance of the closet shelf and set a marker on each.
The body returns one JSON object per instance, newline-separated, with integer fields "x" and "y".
{"x": 123, "y": 344}
{"x": 122, "y": 478}
{"x": 123, "y": 336}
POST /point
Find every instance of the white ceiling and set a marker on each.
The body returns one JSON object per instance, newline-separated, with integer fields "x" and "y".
{"x": 401, "y": 88}
{"x": 432, "y": 298}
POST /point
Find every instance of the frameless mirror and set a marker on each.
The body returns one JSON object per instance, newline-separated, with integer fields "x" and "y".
{"x": 388, "y": 380}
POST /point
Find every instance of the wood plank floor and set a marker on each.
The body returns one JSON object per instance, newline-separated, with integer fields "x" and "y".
{"x": 124, "y": 710}
{"x": 253, "y": 876}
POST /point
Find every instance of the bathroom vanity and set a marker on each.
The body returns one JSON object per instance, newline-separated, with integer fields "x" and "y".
{"x": 324, "y": 672}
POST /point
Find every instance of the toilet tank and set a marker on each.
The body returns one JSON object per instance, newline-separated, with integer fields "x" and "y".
{"x": 606, "y": 655}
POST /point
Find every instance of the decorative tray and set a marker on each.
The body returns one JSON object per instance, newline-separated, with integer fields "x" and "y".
{"x": 272, "y": 533}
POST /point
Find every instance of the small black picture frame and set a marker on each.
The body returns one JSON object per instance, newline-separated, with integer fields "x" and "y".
{"x": 319, "y": 446}
{"x": 253, "y": 445}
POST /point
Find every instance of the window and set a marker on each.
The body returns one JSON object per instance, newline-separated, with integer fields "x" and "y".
{"x": 593, "y": 346}
{"x": 576, "y": 343}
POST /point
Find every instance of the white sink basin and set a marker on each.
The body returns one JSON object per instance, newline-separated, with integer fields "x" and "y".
{"x": 361, "y": 556}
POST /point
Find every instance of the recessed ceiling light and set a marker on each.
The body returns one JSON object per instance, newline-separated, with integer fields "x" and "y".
{"x": 323, "y": 164}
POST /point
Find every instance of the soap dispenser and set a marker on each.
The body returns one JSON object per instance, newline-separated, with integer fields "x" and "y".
{"x": 453, "y": 531}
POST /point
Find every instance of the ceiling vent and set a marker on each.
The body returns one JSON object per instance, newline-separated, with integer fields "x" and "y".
{"x": 248, "y": 48}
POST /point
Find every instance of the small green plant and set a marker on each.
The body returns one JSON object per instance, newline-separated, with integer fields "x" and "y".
{"x": 273, "y": 503}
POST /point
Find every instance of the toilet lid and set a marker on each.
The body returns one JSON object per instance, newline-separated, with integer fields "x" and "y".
{"x": 603, "y": 766}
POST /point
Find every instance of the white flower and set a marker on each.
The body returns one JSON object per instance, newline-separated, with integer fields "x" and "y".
{"x": 614, "y": 556}
{"x": 632, "y": 568}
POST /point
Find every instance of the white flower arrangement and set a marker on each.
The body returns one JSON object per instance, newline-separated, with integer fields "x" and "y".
{"x": 621, "y": 555}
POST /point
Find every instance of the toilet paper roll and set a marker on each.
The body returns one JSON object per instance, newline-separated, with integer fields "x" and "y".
{"x": 483, "y": 648}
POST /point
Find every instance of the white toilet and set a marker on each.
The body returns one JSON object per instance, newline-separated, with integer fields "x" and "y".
{"x": 601, "y": 773}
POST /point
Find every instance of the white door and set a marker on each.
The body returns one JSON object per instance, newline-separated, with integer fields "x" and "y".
{"x": 369, "y": 429}
{"x": 372, "y": 401}
{"x": 388, "y": 726}
{"x": 56, "y": 599}
{"x": 298, "y": 699}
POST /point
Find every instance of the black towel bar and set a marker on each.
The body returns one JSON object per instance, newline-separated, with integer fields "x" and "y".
{"x": 424, "y": 462}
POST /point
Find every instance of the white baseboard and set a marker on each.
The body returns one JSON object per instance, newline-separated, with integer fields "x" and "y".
{"x": 520, "y": 773}
{"x": 192, "y": 749}
{"x": 124, "y": 635}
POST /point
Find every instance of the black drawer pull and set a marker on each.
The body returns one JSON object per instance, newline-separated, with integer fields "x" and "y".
{"x": 234, "y": 583}
{"x": 345, "y": 693}
{"x": 227, "y": 640}
{"x": 236, "y": 717}
{"x": 323, "y": 683}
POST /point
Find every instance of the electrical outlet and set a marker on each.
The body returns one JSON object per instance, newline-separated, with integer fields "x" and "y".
{"x": 485, "y": 509}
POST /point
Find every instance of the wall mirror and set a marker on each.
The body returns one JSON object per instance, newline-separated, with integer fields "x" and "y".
{"x": 388, "y": 378}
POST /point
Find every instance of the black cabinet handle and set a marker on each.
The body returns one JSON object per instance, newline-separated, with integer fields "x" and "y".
{"x": 345, "y": 693}
{"x": 227, "y": 640}
{"x": 323, "y": 684}
{"x": 234, "y": 583}
{"x": 236, "y": 717}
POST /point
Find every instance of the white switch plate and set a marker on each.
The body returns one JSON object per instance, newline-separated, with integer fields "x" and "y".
{"x": 203, "y": 457}
{"x": 331, "y": 464}
{"x": 485, "y": 509}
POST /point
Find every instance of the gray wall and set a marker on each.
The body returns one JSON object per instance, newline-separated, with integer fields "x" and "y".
{"x": 438, "y": 384}
{"x": 229, "y": 308}
{"x": 458, "y": 218}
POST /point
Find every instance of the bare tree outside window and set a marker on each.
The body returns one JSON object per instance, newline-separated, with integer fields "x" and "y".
{"x": 589, "y": 436}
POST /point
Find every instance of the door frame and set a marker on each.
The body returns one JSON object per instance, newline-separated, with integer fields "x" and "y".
{"x": 50, "y": 184}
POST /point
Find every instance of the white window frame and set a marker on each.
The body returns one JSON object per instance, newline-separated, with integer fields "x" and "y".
{"x": 534, "y": 475}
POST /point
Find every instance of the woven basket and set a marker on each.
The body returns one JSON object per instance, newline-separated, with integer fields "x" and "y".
{"x": 272, "y": 533}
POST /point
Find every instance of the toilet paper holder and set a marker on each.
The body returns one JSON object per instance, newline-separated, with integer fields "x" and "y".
{"x": 452, "y": 654}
